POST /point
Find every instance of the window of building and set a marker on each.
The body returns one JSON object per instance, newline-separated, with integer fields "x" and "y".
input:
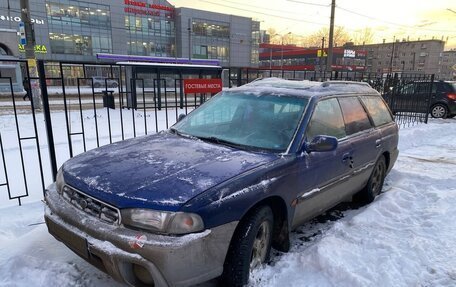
{"x": 206, "y": 28}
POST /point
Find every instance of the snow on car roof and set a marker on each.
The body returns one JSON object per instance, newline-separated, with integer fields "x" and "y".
{"x": 306, "y": 87}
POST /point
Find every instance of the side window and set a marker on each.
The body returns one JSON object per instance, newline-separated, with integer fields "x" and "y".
{"x": 355, "y": 117}
{"x": 326, "y": 120}
{"x": 377, "y": 110}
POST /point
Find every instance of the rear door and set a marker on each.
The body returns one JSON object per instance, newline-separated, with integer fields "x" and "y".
{"x": 364, "y": 139}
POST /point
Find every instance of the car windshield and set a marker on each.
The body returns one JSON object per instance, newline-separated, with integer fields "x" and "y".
{"x": 258, "y": 121}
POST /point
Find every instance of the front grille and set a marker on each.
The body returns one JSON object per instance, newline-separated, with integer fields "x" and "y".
{"x": 91, "y": 205}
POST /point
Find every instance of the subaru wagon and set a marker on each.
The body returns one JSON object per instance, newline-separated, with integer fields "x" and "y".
{"x": 209, "y": 197}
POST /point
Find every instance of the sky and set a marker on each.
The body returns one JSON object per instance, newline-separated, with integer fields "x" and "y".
{"x": 389, "y": 19}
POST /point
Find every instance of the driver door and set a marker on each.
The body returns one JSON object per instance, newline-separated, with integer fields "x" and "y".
{"x": 323, "y": 176}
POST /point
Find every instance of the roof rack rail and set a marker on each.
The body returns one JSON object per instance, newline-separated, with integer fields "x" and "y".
{"x": 330, "y": 83}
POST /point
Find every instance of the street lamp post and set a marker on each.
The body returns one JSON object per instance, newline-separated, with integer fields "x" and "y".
{"x": 281, "y": 57}
{"x": 270, "y": 57}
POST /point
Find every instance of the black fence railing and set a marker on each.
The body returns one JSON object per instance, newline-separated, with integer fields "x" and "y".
{"x": 407, "y": 94}
{"x": 87, "y": 105}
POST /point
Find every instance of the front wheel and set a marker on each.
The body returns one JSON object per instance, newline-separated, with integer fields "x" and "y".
{"x": 439, "y": 111}
{"x": 250, "y": 247}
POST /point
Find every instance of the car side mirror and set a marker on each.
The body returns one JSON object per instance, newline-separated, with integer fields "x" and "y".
{"x": 322, "y": 144}
{"x": 181, "y": 117}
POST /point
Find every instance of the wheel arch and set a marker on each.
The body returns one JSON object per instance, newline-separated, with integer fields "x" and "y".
{"x": 387, "y": 156}
{"x": 280, "y": 233}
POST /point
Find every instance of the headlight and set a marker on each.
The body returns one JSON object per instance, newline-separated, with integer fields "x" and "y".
{"x": 162, "y": 221}
{"x": 59, "y": 181}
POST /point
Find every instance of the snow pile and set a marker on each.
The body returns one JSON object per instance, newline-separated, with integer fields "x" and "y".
{"x": 407, "y": 237}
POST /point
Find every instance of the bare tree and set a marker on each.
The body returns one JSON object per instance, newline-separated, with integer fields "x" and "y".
{"x": 363, "y": 36}
{"x": 340, "y": 37}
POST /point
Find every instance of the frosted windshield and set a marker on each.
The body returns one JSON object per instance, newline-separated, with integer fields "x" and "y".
{"x": 264, "y": 121}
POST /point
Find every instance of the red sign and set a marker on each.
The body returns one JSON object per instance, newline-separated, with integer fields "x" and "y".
{"x": 143, "y": 8}
{"x": 192, "y": 86}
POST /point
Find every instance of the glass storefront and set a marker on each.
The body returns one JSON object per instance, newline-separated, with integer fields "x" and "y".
{"x": 211, "y": 40}
{"x": 152, "y": 35}
{"x": 255, "y": 55}
{"x": 211, "y": 52}
{"x": 212, "y": 29}
{"x": 81, "y": 28}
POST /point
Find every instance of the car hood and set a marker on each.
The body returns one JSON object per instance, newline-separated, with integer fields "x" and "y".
{"x": 161, "y": 171}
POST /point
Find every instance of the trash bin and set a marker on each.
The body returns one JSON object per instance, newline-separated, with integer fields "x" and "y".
{"x": 108, "y": 99}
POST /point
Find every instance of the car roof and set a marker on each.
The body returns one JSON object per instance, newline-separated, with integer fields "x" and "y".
{"x": 305, "y": 88}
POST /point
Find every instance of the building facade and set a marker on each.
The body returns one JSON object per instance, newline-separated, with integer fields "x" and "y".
{"x": 233, "y": 40}
{"x": 76, "y": 30}
{"x": 448, "y": 66}
{"x": 403, "y": 56}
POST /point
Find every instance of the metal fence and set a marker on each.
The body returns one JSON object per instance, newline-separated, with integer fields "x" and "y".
{"x": 407, "y": 94}
{"x": 87, "y": 105}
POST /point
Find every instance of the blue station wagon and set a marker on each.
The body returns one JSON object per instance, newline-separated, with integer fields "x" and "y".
{"x": 210, "y": 196}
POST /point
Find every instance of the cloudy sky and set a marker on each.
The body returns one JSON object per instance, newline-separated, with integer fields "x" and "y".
{"x": 388, "y": 18}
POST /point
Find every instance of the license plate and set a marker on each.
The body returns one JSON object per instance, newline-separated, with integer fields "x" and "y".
{"x": 75, "y": 242}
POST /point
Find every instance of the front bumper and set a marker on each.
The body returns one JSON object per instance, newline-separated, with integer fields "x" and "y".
{"x": 169, "y": 260}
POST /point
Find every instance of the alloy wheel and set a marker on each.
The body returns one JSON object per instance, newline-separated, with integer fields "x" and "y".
{"x": 438, "y": 111}
{"x": 377, "y": 178}
{"x": 260, "y": 245}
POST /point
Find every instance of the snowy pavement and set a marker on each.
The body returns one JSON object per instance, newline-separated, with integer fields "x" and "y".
{"x": 406, "y": 237}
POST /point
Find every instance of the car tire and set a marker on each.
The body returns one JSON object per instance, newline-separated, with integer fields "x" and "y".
{"x": 249, "y": 247}
{"x": 114, "y": 85}
{"x": 439, "y": 111}
{"x": 375, "y": 183}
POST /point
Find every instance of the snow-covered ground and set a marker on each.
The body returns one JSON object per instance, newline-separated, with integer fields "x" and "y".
{"x": 406, "y": 237}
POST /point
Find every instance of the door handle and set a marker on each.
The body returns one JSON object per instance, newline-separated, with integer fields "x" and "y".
{"x": 347, "y": 157}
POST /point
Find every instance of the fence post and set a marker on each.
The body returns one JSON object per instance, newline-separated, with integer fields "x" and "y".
{"x": 429, "y": 96}
{"x": 47, "y": 118}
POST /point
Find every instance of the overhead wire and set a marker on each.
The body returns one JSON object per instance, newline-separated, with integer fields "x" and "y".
{"x": 267, "y": 14}
{"x": 389, "y": 22}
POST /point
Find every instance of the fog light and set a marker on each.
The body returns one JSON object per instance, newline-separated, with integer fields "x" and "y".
{"x": 143, "y": 275}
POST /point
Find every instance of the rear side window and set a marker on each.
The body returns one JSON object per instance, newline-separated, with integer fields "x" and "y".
{"x": 377, "y": 110}
{"x": 326, "y": 120}
{"x": 355, "y": 117}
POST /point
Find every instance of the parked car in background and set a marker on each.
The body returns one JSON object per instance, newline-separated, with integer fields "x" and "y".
{"x": 233, "y": 178}
{"x": 443, "y": 99}
{"x": 101, "y": 82}
{"x": 420, "y": 97}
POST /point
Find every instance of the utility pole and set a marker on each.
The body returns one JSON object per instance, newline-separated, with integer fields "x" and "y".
{"x": 322, "y": 56}
{"x": 29, "y": 33}
{"x": 9, "y": 12}
{"x": 331, "y": 37}
{"x": 392, "y": 54}
{"x": 34, "y": 88}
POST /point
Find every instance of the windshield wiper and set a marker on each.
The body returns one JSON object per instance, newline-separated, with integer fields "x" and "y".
{"x": 223, "y": 142}
{"x": 179, "y": 133}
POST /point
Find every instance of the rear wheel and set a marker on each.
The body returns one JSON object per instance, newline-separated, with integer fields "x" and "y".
{"x": 439, "y": 111}
{"x": 375, "y": 183}
{"x": 249, "y": 248}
